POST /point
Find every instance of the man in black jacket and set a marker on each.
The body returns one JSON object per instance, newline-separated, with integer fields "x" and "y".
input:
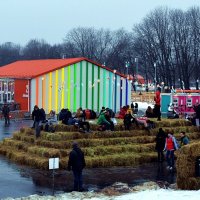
{"x": 5, "y": 112}
{"x": 160, "y": 144}
{"x": 37, "y": 117}
{"x": 76, "y": 163}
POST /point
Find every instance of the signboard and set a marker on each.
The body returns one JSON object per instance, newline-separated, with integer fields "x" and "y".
{"x": 53, "y": 163}
{"x": 26, "y": 94}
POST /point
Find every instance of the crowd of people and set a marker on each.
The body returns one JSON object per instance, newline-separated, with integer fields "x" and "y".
{"x": 106, "y": 119}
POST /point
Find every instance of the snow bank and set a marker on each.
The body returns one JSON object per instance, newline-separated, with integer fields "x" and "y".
{"x": 164, "y": 194}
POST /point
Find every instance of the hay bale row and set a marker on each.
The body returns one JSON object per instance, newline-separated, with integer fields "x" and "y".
{"x": 171, "y": 122}
{"x": 82, "y": 142}
{"x": 24, "y": 159}
{"x": 93, "y": 151}
{"x": 94, "y": 127}
{"x": 97, "y": 142}
{"x": 119, "y": 127}
{"x": 96, "y": 134}
{"x": 186, "y": 158}
{"x": 89, "y": 151}
{"x": 123, "y": 159}
{"x": 20, "y": 145}
{"x": 77, "y": 135}
{"x": 118, "y": 159}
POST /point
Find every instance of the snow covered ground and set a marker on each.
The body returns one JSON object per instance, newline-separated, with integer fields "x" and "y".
{"x": 142, "y": 106}
{"x": 160, "y": 194}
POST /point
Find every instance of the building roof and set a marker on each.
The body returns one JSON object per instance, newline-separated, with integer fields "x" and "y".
{"x": 33, "y": 68}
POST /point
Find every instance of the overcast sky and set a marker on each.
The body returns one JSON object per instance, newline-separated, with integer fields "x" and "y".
{"x": 22, "y": 20}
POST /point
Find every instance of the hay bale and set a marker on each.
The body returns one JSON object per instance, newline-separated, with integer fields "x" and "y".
{"x": 185, "y": 165}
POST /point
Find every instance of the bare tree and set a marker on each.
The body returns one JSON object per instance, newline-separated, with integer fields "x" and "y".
{"x": 36, "y": 49}
{"x": 9, "y": 52}
{"x": 154, "y": 37}
{"x": 194, "y": 19}
{"x": 88, "y": 42}
{"x": 171, "y": 39}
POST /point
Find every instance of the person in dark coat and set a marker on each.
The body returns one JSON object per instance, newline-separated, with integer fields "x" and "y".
{"x": 37, "y": 117}
{"x": 128, "y": 120}
{"x": 5, "y": 112}
{"x": 43, "y": 115}
{"x": 149, "y": 112}
{"x": 160, "y": 144}
{"x": 76, "y": 162}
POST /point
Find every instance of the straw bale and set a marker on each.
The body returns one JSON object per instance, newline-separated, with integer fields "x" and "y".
{"x": 186, "y": 158}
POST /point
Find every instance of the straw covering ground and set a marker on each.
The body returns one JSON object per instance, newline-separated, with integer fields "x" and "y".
{"x": 102, "y": 149}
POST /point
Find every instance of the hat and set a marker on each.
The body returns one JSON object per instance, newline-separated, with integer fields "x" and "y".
{"x": 74, "y": 144}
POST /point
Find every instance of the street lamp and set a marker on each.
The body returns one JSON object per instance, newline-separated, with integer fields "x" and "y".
{"x": 162, "y": 86}
{"x": 155, "y": 75}
{"x": 183, "y": 84}
{"x": 127, "y": 66}
{"x": 136, "y": 69}
{"x": 197, "y": 84}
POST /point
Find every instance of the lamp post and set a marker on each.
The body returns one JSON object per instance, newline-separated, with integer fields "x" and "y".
{"x": 162, "y": 86}
{"x": 197, "y": 84}
{"x": 127, "y": 66}
{"x": 183, "y": 84}
{"x": 155, "y": 75}
{"x": 136, "y": 68}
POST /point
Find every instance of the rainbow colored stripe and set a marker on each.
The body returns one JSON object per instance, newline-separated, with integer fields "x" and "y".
{"x": 82, "y": 84}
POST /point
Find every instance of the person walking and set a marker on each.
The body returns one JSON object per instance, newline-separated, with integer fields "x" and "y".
{"x": 160, "y": 144}
{"x": 37, "y": 117}
{"x": 76, "y": 162}
{"x": 6, "y": 112}
{"x": 170, "y": 146}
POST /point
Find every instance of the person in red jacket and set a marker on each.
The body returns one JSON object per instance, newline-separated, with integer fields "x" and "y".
{"x": 157, "y": 104}
{"x": 170, "y": 146}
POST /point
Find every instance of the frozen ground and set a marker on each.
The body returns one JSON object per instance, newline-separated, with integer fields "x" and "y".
{"x": 160, "y": 194}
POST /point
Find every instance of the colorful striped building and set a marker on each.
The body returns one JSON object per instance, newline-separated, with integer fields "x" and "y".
{"x": 63, "y": 83}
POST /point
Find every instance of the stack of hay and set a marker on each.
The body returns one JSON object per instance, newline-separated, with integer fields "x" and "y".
{"x": 186, "y": 167}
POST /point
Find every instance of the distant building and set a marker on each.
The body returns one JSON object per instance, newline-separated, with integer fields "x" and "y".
{"x": 63, "y": 83}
